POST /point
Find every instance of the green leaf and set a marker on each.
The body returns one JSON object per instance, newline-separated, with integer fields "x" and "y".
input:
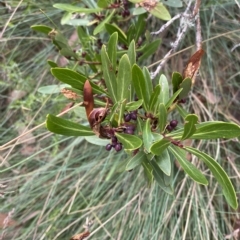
{"x": 135, "y": 160}
{"x": 66, "y": 128}
{"x": 176, "y": 81}
{"x": 140, "y": 26}
{"x": 131, "y": 106}
{"x": 154, "y": 100}
{"x": 112, "y": 49}
{"x": 132, "y": 53}
{"x": 121, "y": 111}
{"x": 164, "y": 95}
{"x": 72, "y": 8}
{"x": 42, "y": 28}
{"x": 148, "y": 80}
{"x": 188, "y": 167}
{"x": 148, "y": 171}
{"x": 161, "y": 12}
{"x": 51, "y": 89}
{"x": 183, "y": 113}
{"x": 83, "y": 37}
{"x": 159, "y": 177}
{"x": 100, "y": 27}
{"x": 147, "y": 135}
{"x": 158, "y": 147}
{"x": 66, "y": 17}
{"x": 219, "y": 173}
{"x": 216, "y": 129}
{"x": 172, "y": 99}
{"x": 186, "y": 85}
{"x": 111, "y": 28}
{"x": 67, "y": 52}
{"x": 162, "y": 121}
{"x": 52, "y": 64}
{"x": 103, "y": 3}
{"x": 97, "y": 141}
{"x": 149, "y": 49}
{"x": 135, "y": 1}
{"x": 123, "y": 78}
{"x": 189, "y": 126}
{"x": 131, "y": 33}
{"x": 139, "y": 85}
{"x": 130, "y": 142}
{"x": 173, "y": 3}
{"x": 164, "y": 162}
{"x": 109, "y": 75}
{"x": 139, "y": 10}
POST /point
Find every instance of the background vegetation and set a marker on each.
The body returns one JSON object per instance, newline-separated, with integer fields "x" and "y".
{"x": 51, "y": 183}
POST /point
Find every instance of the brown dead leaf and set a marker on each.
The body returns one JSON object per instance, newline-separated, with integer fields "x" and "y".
{"x": 80, "y": 236}
{"x": 69, "y": 94}
{"x": 5, "y": 217}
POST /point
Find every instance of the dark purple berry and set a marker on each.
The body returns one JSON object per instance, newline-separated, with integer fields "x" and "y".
{"x": 130, "y": 126}
{"x": 133, "y": 116}
{"x": 127, "y": 117}
{"x": 118, "y": 147}
{"x": 183, "y": 100}
{"x": 84, "y": 54}
{"x": 129, "y": 131}
{"x": 108, "y": 147}
{"x": 173, "y": 123}
{"x": 169, "y": 128}
{"x": 114, "y": 139}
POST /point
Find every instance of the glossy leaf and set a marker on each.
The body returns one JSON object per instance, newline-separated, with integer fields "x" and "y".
{"x": 109, "y": 75}
{"x": 176, "y": 80}
{"x": 159, "y": 177}
{"x": 154, "y": 100}
{"x": 100, "y": 27}
{"x": 161, "y": 12}
{"x": 150, "y": 49}
{"x": 186, "y": 85}
{"x": 112, "y": 49}
{"x": 140, "y": 85}
{"x": 124, "y": 78}
{"x": 164, "y": 162}
{"x": 66, "y": 127}
{"x": 188, "y": 167}
{"x": 42, "y": 28}
{"x": 148, "y": 171}
{"x": 219, "y": 173}
{"x": 147, "y": 135}
{"x": 158, "y": 147}
{"x": 164, "y": 95}
{"x": 111, "y": 28}
{"x": 132, "y": 53}
{"x": 189, "y": 126}
{"x": 130, "y": 142}
{"x": 162, "y": 120}
{"x": 131, "y": 106}
{"x": 72, "y": 8}
{"x": 173, "y": 98}
{"x": 135, "y": 160}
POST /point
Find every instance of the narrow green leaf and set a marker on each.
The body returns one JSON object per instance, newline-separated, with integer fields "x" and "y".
{"x": 140, "y": 85}
{"x": 176, "y": 80}
{"x": 159, "y": 177}
{"x": 154, "y": 100}
{"x": 66, "y": 128}
{"x": 67, "y": 52}
{"x": 124, "y": 78}
{"x": 219, "y": 173}
{"x": 132, "y": 53}
{"x": 164, "y": 95}
{"x": 72, "y": 8}
{"x": 172, "y": 99}
{"x": 188, "y": 167}
{"x": 148, "y": 80}
{"x": 140, "y": 26}
{"x": 112, "y": 49}
{"x": 139, "y": 10}
{"x": 135, "y": 160}
{"x": 97, "y": 141}
{"x": 42, "y": 28}
{"x": 162, "y": 120}
{"x": 131, "y": 33}
{"x": 121, "y": 111}
{"x": 131, "y": 106}
{"x": 158, "y": 147}
{"x": 148, "y": 171}
{"x": 139, "y": 126}
{"x": 130, "y": 142}
{"x": 161, "y": 12}
{"x": 183, "y": 113}
{"x": 164, "y": 162}
{"x": 52, "y": 64}
{"x": 186, "y": 85}
{"x": 83, "y": 37}
{"x": 189, "y": 126}
{"x": 147, "y": 135}
{"x": 149, "y": 49}
{"x": 109, "y": 75}
{"x": 111, "y": 28}
{"x": 100, "y": 27}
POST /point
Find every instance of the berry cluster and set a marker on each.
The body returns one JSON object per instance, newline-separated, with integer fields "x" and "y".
{"x": 130, "y": 116}
{"x": 125, "y": 12}
{"x": 115, "y": 144}
{"x": 172, "y": 125}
